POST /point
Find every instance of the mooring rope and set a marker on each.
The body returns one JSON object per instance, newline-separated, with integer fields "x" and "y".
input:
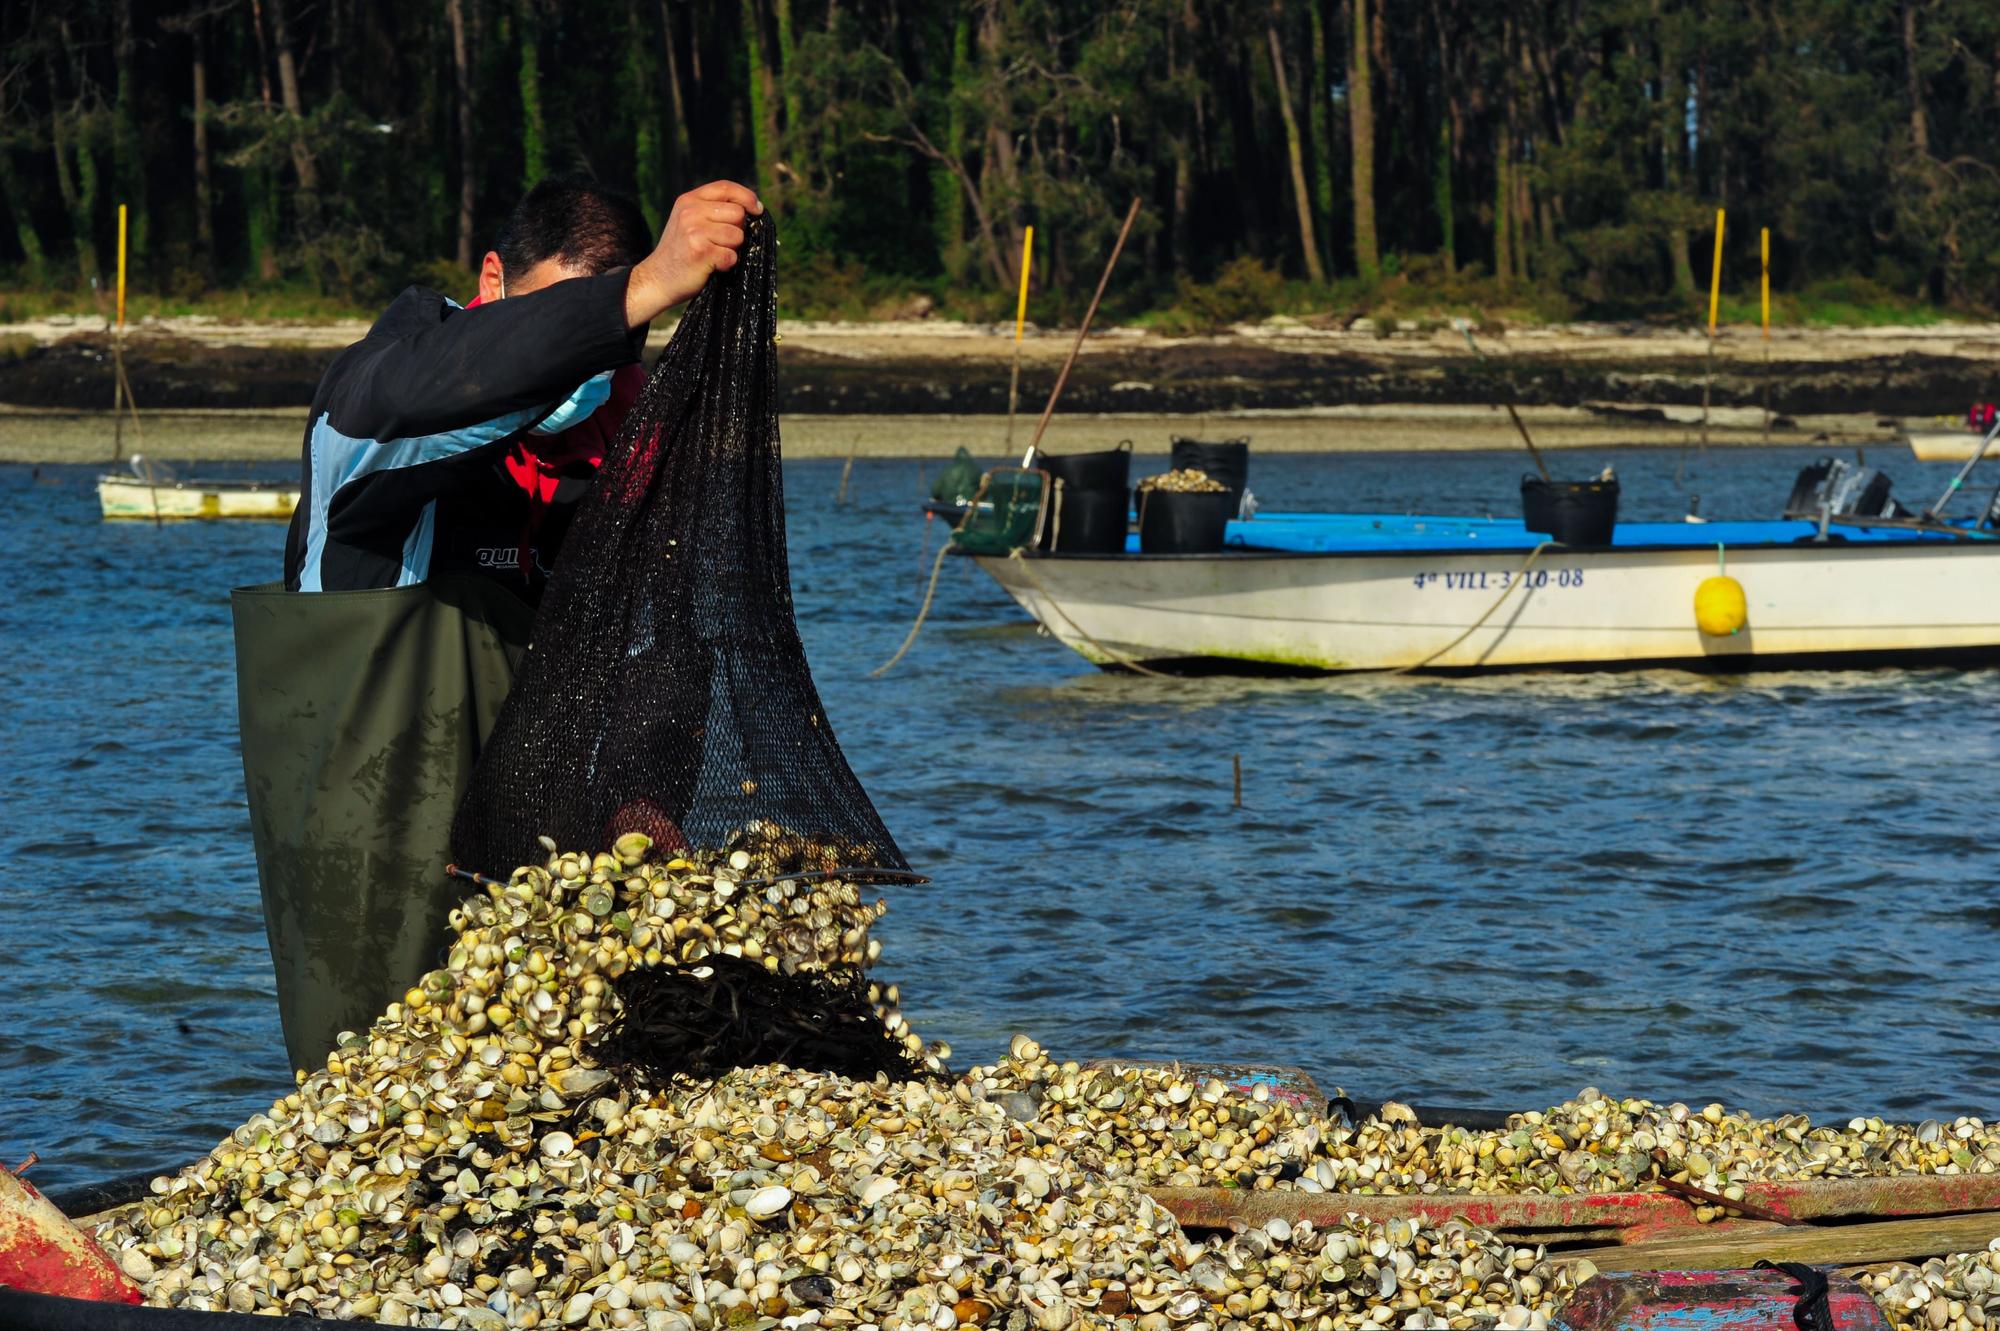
{"x": 1112, "y": 652}
{"x": 1019, "y": 555}
{"x": 1519, "y": 577}
{"x": 930, "y": 591}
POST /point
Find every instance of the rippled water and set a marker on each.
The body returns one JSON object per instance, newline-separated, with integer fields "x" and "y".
{"x": 1776, "y": 890}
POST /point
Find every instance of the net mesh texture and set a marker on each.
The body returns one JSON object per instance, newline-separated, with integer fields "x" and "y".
{"x": 666, "y": 690}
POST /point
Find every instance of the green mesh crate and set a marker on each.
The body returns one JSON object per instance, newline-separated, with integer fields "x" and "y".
{"x": 1008, "y": 515}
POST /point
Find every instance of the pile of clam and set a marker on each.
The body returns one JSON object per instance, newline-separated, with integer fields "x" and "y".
{"x": 1183, "y": 480}
{"x": 1157, "y": 1127}
{"x": 465, "y": 1163}
{"x": 1957, "y": 1293}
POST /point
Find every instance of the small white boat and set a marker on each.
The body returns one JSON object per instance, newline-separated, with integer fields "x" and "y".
{"x": 1331, "y": 592}
{"x": 153, "y": 492}
{"x": 1940, "y": 444}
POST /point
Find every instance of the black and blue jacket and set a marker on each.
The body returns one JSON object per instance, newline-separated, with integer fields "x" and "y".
{"x": 402, "y": 471}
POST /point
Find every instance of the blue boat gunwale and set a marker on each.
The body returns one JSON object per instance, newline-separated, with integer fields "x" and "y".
{"x": 1407, "y": 536}
{"x": 1239, "y": 553}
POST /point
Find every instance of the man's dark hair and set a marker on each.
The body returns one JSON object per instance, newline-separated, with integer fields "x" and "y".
{"x": 580, "y": 223}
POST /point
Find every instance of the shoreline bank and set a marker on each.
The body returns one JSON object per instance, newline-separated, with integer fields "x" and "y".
{"x": 36, "y": 435}
{"x": 921, "y": 369}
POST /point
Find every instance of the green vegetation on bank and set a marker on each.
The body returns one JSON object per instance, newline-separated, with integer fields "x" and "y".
{"x": 1245, "y": 292}
{"x": 1508, "y": 160}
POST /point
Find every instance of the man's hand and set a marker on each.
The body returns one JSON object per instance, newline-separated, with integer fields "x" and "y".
{"x": 703, "y": 235}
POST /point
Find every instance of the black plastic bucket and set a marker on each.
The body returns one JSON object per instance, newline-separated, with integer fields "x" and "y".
{"x": 1088, "y": 522}
{"x": 1107, "y": 470}
{"x": 1173, "y": 522}
{"x": 1572, "y": 512}
{"x": 1227, "y": 461}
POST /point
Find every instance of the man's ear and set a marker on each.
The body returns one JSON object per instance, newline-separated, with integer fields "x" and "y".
{"x": 491, "y": 285}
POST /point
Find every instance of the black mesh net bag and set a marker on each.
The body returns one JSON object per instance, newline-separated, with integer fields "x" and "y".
{"x": 666, "y": 690}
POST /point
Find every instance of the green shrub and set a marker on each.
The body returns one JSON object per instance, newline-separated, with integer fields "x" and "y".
{"x": 1246, "y": 289}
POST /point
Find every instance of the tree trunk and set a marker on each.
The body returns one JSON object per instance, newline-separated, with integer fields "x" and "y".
{"x": 461, "y": 66}
{"x": 128, "y": 167}
{"x": 1920, "y": 129}
{"x": 260, "y": 194}
{"x": 534, "y": 125}
{"x": 86, "y": 206}
{"x": 678, "y": 149}
{"x": 1361, "y": 124}
{"x": 1301, "y": 192}
{"x": 1183, "y": 196}
{"x": 1673, "y": 127}
{"x": 79, "y": 199}
{"x": 204, "y": 184}
{"x": 999, "y": 160}
{"x": 763, "y": 99}
{"x": 947, "y": 200}
{"x": 12, "y": 198}
{"x": 1441, "y": 198}
{"x": 24, "y": 226}
{"x": 642, "y": 98}
{"x": 1319, "y": 110}
{"x": 263, "y": 54}
{"x": 336, "y": 55}
{"x": 787, "y": 83}
{"x": 288, "y": 92}
{"x": 1503, "y": 209}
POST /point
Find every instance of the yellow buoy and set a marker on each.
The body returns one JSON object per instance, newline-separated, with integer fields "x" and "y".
{"x": 1719, "y": 606}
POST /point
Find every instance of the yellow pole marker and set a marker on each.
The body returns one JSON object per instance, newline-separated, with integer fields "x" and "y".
{"x": 1714, "y": 298}
{"x": 1027, "y": 258}
{"x": 1715, "y": 278}
{"x": 1020, "y": 323}
{"x": 1764, "y": 257}
{"x": 118, "y": 353}
{"x": 121, "y": 266}
{"x": 1764, "y": 261}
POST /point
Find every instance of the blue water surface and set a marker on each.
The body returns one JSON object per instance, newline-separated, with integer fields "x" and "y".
{"x": 1774, "y": 890}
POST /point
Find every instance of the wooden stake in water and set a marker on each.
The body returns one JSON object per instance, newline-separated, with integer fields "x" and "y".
{"x": 1764, "y": 299}
{"x": 1020, "y": 323}
{"x": 1236, "y": 765}
{"x": 1714, "y": 299}
{"x": 853, "y": 447}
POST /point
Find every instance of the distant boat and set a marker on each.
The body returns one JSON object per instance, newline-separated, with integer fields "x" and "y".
{"x": 152, "y": 492}
{"x": 1352, "y": 591}
{"x": 1946, "y": 445}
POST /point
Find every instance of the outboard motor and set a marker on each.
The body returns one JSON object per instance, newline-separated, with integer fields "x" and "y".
{"x": 1833, "y": 487}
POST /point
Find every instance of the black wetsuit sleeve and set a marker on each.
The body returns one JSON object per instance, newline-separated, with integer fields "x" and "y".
{"x": 472, "y": 365}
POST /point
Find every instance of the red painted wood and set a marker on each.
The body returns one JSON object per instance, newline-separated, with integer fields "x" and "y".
{"x": 41, "y": 1251}
{"x": 1626, "y": 1217}
{"x": 1709, "y": 1301}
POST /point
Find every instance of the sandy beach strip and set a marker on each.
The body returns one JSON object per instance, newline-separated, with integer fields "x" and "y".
{"x": 30, "y": 435}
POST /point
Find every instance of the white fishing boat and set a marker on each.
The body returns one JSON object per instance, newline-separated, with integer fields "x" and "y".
{"x": 1330, "y": 592}
{"x": 153, "y": 492}
{"x": 1942, "y": 444}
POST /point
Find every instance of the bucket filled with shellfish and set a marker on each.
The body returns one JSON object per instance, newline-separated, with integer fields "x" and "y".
{"x": 1184, "y": 512}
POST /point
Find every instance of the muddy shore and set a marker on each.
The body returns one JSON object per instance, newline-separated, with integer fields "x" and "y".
{"x": 249, "y": 435}
{"x": 240, "y": 390}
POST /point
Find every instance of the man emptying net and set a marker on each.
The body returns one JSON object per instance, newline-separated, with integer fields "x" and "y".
{"x": 442, "y": 441}
{"x": 443, "y": 457}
